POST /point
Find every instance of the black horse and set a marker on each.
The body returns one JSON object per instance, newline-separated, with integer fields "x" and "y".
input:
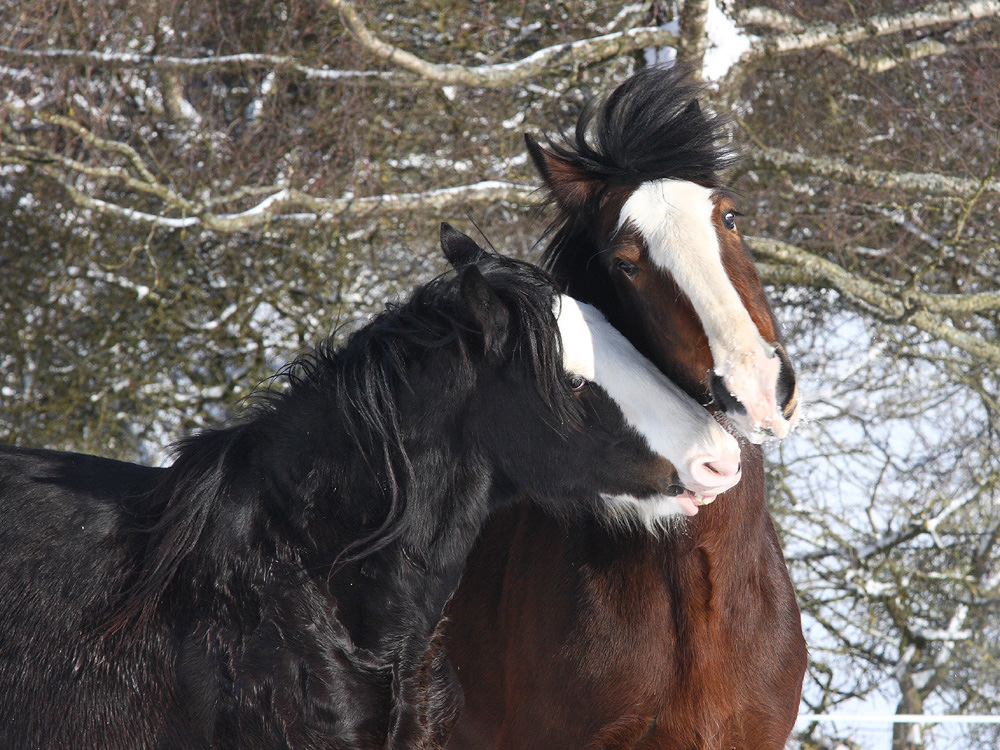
{"x": 281, "y": 585}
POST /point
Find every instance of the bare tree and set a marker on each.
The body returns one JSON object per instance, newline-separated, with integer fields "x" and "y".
{"x": 190, "y": 194}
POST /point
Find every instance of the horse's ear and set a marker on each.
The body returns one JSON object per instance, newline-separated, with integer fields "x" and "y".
{"x": 460, "y": 249}
{"x": 570, "y": 185}
{"x": 486, "y": 308}
{"x": 692, "y": 110}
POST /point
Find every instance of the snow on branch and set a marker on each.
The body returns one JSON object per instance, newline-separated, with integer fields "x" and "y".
{"x": 580, "y": 52}
{"x": 831, "y": 34}
{"x": 286, "y": 205}
{"x": 925, "y": 311}
{"x": 916, "y": 50}
{"x": 788, "y": 34}
{"x": 930, "y": 183}
{"x": 792, "y": 36}
{"x": 769, "y": 18}
{"x": 182, "y": 64}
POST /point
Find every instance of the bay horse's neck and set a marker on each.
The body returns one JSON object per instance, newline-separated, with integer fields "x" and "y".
{"x": 730, "y": 529}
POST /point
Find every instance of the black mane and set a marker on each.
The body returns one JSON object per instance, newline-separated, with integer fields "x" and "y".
{"x": 650, "y": 128}
{"x": 359, "y": 386}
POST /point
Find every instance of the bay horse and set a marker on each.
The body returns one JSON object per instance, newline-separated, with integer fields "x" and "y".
{"x": 587, "y": 635}
{"x": 281, "y": 584}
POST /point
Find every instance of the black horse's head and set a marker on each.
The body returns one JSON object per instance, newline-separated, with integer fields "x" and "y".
{"x": 586, "y": 414}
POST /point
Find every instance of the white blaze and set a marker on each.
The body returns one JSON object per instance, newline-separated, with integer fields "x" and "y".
{"x": 674, "y": 218}
{"x": 673, "y": 423}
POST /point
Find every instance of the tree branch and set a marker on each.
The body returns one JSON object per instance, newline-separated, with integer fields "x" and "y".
{"x": 828, "y": 35}
{"x": 281, "y": 205}
{"x": 184, "y": 64}
{"x": 769, "y": 19}
{"x": 694, "y": 40}
{"x": 581, "y": 52}
{"x": 772, "y": 159}
{"x": 915, "y": 50}
{"x": 921, "y": 310}
{"x": 178, "y": 108}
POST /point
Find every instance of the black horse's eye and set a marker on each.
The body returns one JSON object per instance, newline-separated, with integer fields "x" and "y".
{"x": 730, "y": 219}
{"x": 627, "y": 267}
{"x": 577, "y": 383}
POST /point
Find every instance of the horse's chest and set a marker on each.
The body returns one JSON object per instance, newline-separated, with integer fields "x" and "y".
{"x": 653, "y": 640}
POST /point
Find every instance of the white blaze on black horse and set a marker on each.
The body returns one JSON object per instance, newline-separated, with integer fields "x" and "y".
{"x": 707, "y": 460}
{"x": 281, "y": 585}
{"x": 586, "y": 635}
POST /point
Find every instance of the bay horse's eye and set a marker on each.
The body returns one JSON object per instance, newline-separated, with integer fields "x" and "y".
{"x": 577, "y": 383}
{"x": 730, "y": 219}
{"x": 627, "y": 267}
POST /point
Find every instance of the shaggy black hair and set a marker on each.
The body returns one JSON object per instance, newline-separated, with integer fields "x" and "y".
{"x": 282, "y": 584}
{"x": 359, "y": 385}
{"x": 649, "y": 128}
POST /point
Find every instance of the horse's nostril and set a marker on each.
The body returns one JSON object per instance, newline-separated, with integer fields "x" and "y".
{"x": 724, "y": 400}
{"x": 722, "y": 467}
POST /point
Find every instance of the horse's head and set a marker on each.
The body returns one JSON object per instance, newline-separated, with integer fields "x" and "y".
{"x": 566, "y": 408}
{"x": 647, "y": 233}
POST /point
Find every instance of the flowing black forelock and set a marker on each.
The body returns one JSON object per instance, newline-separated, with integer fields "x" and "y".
{"x": 650, "y": 128}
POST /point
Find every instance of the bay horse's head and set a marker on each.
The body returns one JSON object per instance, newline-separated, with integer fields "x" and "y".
{"x": 647, "y": 233}
{"x": 619, "y": 427}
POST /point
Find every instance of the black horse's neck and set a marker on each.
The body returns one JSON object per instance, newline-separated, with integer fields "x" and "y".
{"x": 394, "y": 596}
{"x": 248, "y": 546}
{"x": 382, "y": 533}
{"x": 386, "y": 591}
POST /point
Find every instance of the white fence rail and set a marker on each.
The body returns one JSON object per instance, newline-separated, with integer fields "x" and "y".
{"x": 902, "y": 718}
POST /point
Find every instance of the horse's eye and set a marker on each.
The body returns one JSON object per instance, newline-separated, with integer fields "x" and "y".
{"x": 627, "y": 267}
{"x": 577, "y": 383}
{"x": 730, "y": 219}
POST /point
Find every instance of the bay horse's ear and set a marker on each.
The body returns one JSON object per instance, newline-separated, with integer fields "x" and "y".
{"x": 460, "y": 249}
{"x": 486, "y": 308}
{"x": 570, "y": 185}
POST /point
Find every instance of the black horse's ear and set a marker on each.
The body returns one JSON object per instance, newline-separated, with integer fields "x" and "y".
{"x": 486, "y": 308}
{"x": 570, "y": 185}
{"x": 460, "y": 249}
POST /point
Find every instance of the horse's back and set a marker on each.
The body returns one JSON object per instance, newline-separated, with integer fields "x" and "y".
{"x": 33, "y": 479}
{"x": 255, "y": 666}
{"x": 65, "y": 553}
{"x": 66, "y": 517}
